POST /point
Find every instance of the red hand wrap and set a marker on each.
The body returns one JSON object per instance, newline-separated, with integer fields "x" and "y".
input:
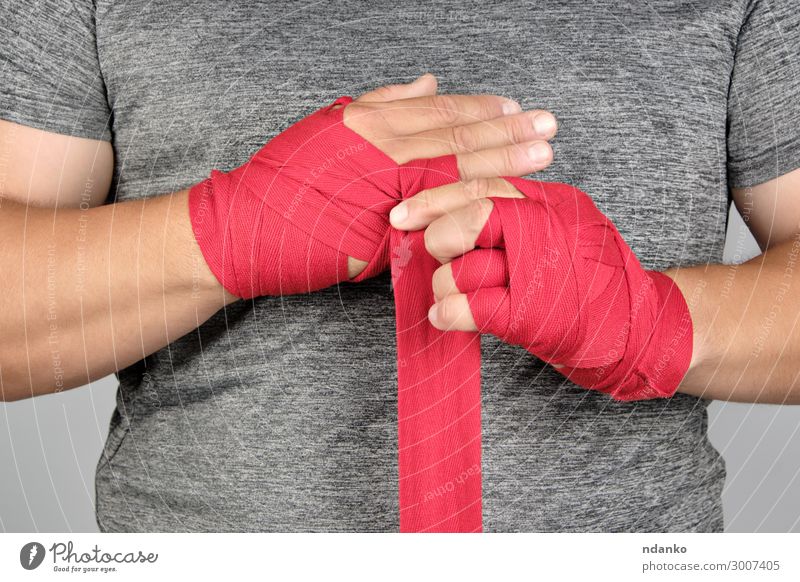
{"x": 561, "y": 282}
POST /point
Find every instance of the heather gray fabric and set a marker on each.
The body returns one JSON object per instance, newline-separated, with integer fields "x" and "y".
{"x": 280, "y": 414}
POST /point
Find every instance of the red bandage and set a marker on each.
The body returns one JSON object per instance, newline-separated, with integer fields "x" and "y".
{"x": 554, "y": 276}
{"x": 286, "y": 221}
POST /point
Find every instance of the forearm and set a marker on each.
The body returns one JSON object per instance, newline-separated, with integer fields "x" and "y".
{"x": 746, "y": 333}
{"x": 85, "y": 293}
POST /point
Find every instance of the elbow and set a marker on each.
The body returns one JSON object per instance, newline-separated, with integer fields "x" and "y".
{"x": 21, "y": 379}
{"x": 12, "y": 395}
{"x": 12, "y": 386}
{"x": 15, "y": 380}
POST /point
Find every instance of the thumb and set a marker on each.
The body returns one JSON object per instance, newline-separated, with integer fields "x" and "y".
{"x": 423, "y": 86}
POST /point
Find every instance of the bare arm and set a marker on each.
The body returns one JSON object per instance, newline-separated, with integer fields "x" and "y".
{"x": 747, "y": 317}
{"x": 88, "y": 289}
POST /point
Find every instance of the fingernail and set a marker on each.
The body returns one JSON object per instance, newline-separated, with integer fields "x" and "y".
{"x": 510, "y": 107}
{"x": 539, "y": 152}
{"x": 544, "y": 124}
{"x": 432, "y": 312}
{"x": 398, "y": 214}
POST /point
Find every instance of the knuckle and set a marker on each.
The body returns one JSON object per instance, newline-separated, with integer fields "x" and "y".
{"x": 519, "y": 129}
{"x": 463, "y": 139}
{"x": 423, "y": 201}
{"x": 446, "y": 108}
{"x": 355, "y": 108}
{"x": 505, "y": 189}
{"x": 476, "y": 189}
{"x": 446, "y": 311}
{"x": 430, "y": 239}
{"x": 440, "y": 282}
{"x": 355, "y": 115}
{"x": 489, "y": 107}
{"x": 479, "y": 212}
{"x": 385, "y": 91}
{"x": 510, "y": 159}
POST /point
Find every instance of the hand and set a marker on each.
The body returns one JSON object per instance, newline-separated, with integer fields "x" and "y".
{"x": 489, "y": 135}
{"x": 296, "y": 216}
{"x": 539, "y": 266}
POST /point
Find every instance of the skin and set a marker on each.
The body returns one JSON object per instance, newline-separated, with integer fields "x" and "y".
{"x": 745, "y": 317}
{"x": 89, "y": 289}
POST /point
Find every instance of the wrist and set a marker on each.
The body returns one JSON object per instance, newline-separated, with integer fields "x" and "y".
{"x": 202, "y": 282}
{"x": 691, "y": 288}
{"x": 671, "y": 348}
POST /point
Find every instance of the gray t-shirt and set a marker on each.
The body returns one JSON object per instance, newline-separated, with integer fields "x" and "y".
{"x": 280, "y": 413}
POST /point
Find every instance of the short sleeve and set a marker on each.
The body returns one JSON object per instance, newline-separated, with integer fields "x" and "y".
{"x": 50, "y": 74}
{"x": 764, "y": 98}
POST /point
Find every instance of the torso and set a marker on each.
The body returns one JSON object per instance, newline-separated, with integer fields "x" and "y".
{"x": 280, "y": 414}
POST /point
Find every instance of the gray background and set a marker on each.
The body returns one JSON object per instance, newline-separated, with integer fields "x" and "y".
{"x": 49, "y": 447}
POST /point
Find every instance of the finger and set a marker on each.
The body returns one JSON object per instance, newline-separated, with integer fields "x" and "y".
{"x": 420, "y": 210}
{"x": 512, "y": 160}
{"x": 501, "y": 131}
{"x": 420, "y": 114}
{"x": 452, "y": 314}
{"x": 480, "y": 268}
{"x": 492, "y": 234}
{"x": 522, "y": 128}
{"x": 477, "y": 269}
{"x": 485, "y": 310}
{"x": 490, "y": 308}
{"x": 454, "y": 234}
{"x": 444, "y": 283}
{"x": 423, "y": 86}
